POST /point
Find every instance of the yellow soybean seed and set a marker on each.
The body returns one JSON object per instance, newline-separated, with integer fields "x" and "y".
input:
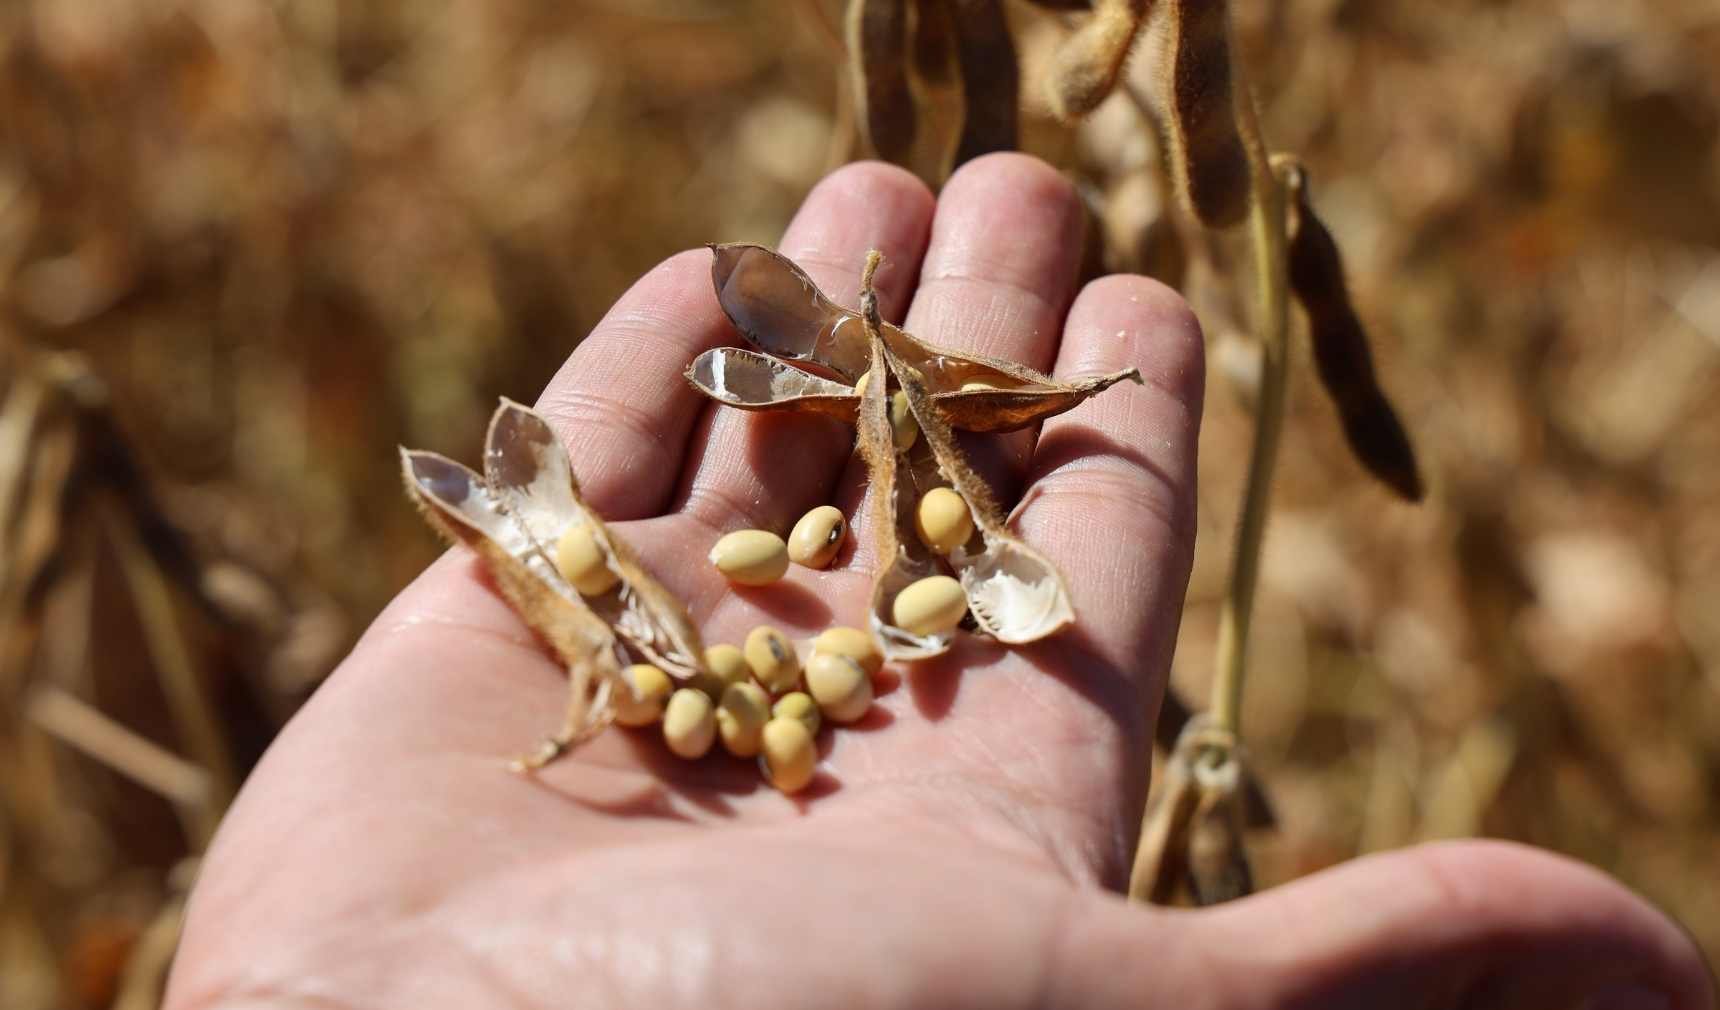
{"x": 930, "y": 606}
{"x": 582, "y": 562}
{"x": 973, "y": 384}
{"x": 903, "y": 428}
{"x": 641, "y": 701}
{"x": 727, "y": 665}
{"x": 771, "y": 657}
{"x": 853, "y": 643}
{"x": 751, "y": 557}
{"x": 798, "y": 705}
{"x": 817, "y": 537}
{"x": 741, "y": 717}
{"x": 943, "y": 520}
{"x": 689, "y": 723}
{"x": 787, "y": 756}
{"x": 860, "y": 383}
{"x": 841, "y": 688}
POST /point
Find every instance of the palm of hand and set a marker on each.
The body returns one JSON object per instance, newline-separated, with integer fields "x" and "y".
{"x": 955, "y": 850}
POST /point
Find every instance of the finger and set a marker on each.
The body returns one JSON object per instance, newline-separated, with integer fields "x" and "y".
{"x": 997, "y": 280}
{"x": 1111, "y": 492}
{"x": 1000, "y": 269}
{"x": 764, "y": 471}
{"x": 1463, "y": 924}
{"x": 620, "y": 402}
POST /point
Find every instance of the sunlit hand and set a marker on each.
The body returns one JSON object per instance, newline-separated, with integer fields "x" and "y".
{"x": 964, "y": 844}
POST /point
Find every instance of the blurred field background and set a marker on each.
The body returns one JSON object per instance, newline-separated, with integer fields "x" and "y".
{"x": 249, "y": 246}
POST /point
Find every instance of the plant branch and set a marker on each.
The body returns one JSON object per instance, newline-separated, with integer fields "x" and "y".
{"x": 1267, "y": 228}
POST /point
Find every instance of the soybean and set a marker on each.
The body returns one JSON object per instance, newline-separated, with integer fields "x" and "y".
{"x": 689, "y": 723}
{"x": 973, "y": 384}
{"x": 772, "y": 658}
{"x": 726, "y": 665}
{"x": 817, "y": 537}
{"x": 751, "y": 557}
{"x": 841, "y": 688}
{"x": 787, "y": 756}
{"x": 853, "y": 643}
{"x": 943, "y": 520}
{"x": 798, "y": 705}
{"x": 640, "y": 702}
{"x": 930, "y": 606}
{"x": 903, "y": 427}
{"x": 741, "y": 716}
{"x": 582, "y": 563}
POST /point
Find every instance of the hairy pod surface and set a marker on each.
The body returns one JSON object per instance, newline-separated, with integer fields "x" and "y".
{"x": 1084, "y": 70}
{"x": 1211, "y": 159}
{"x": 878, "y": 57}
{"x": 1341, "y": 355}
{"x": 991, "y": 78}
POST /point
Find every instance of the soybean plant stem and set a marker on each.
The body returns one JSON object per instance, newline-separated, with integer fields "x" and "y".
{"x": 1267, "y": 228}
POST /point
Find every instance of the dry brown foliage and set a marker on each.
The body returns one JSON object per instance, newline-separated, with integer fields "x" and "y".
{"x": 291, "y": 236}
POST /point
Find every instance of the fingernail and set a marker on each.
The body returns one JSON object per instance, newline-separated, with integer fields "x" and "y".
{"x": 1627, "y": 996}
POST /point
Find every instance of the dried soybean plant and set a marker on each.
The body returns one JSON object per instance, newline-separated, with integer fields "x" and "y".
{"x": 1191, "y": 836}
{"x": 935, "y": 83}
{"x": 71, "y": 493}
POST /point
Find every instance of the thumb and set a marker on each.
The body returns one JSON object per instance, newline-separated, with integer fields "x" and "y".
{"x": 1458, "y": 924}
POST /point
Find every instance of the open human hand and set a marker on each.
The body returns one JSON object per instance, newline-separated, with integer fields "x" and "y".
{"x": 964, "y": 842}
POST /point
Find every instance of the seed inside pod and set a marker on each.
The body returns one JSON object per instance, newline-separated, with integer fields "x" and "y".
{"x": 689, "y": 723}
{"x": 817, "y": 537}
{"x": 582, "y": 563}
{"x": 798, "y": 705}
{"x": 751, "y": 557}
{"x": 741, "y": 717}
{"x": 973, "y": 384}
{"x": 853, "y": 643}
{"x": 930, "y": 606}
{"x": 903, "y": 428}
{"x": 787, "y": 756}
{"x": 841, "y": 688}
{"x": 642, "y": 702}
{"x": 727, "y": 665}
{"x": 943, "y": 520}
{"x": 772, "y": 658}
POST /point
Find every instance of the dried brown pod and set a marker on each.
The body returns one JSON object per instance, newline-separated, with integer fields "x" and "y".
{"x": 878, "y": 59}
{"x": 990, "y": 78}
{"x": 1191, "y": 836}
{"x": 528, "y": 469}
{"x": 778, "y": 309}
{"x": 1210, "y": 156}
{"x": 461, "y": 506}
{"x": 1084, "y": 69}
{"x": 1341, "y": 355}
{"x": 514, "y": 516}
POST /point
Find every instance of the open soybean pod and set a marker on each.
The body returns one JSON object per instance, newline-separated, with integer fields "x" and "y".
{"x": 1211, "y": 159}
{"x": 529, "y": 471}
{"x": 878, "y": 59}
{"x": 465, "y": 508}
{"x": 1341, "y": 356}
{"x": 1084, "y": 70}
{"x": 778, "y": 309}
{"x": 902, "y": 559}
{"x": 1014, "y": 593}
{"x": 991, "y": 78}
